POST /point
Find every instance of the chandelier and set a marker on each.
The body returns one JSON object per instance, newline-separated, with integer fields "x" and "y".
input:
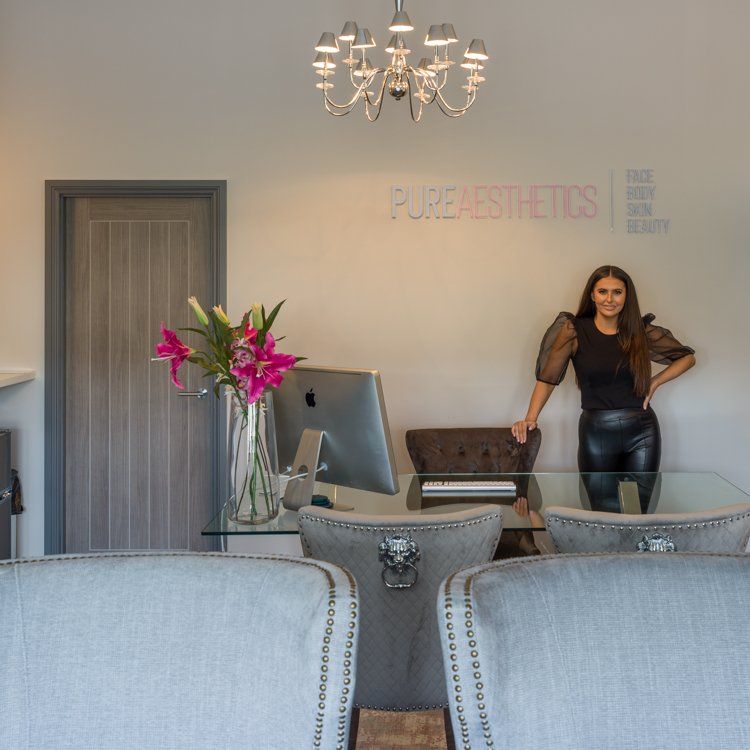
{"x": 423, "y": 83}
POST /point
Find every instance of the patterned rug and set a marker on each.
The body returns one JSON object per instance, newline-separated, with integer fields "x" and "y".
{"x": 393, "y": 730}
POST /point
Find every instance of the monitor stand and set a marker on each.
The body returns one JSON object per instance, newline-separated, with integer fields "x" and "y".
{"x": 299, "y": 489}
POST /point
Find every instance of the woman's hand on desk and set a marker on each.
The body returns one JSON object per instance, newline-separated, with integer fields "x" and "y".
{"x": 520, "y": 428}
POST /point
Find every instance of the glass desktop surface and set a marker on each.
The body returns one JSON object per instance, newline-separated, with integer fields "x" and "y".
{"x": 660, "y": 492}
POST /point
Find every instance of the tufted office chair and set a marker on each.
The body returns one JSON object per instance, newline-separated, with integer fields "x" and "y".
{"x": 725, "y": 529}
{"x": 189, "y": 651}
{"x": 399, "y": 666}
{"x": 471, "y": 450}
{"x": 479, "y": 450}
{"x": 599, "y": 651}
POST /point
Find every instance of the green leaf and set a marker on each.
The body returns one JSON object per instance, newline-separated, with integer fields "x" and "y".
{"x": 269, "y": 321}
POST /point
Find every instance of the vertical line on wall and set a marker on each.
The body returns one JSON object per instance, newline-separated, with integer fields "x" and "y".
{"x": 148, "y": 326}
{"x": 109, "y": 392}
{"x": 190, "y": 402}
{"x": 130, "y": 332}
{"x": 169, "y": 405}
{"x": 90, "y": 347}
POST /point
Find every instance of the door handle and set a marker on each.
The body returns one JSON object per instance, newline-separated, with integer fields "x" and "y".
{"x": 202, "y": 393}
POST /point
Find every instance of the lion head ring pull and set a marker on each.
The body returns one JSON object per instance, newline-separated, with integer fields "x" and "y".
{"x": 398, "y": 555}
{"x": 656, "y": 543}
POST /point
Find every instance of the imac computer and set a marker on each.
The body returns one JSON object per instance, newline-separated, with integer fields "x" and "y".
{"x": 331, "y": 426}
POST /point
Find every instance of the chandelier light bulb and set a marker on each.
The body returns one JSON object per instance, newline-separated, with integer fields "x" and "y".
{"x": 391, "y": 48}
{"x": 476, "y": 50}
{"x": 348, "y": 32}
{"x": 450, "y": 33}
{"x": 327, "y": 43}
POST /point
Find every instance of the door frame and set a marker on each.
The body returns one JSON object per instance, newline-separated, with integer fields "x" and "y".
{"x": 57, "y": 192}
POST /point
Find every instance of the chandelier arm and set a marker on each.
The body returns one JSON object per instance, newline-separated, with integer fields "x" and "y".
{"x": 418, "y": 116}
{"x": 379, "y": 104}
{"x": 348, "y": 106}
{"x": 445, "y": 80}
{"x": 424, "y": 84}
{"x": 458, "y": 110}
{"x": 334, "y": 113}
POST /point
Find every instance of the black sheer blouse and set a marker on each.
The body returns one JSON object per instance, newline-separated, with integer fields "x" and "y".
{"x": 603, "y": 374}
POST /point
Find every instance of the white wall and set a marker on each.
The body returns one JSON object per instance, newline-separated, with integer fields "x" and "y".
{"x": 450, "y": 312}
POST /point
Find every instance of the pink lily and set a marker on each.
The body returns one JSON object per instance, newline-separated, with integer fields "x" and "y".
{"x": 173, "y": 350}
{"x": 264, "y": 368}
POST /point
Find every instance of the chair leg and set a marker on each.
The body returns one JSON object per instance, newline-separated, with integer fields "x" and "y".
{"x": 450, "y": 740}
{"x": 353, "y": 727}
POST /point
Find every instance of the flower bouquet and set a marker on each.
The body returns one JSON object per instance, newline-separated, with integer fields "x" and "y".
{"x": 243, "y": 359}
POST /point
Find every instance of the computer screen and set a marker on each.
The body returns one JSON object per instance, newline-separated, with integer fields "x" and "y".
{"x": 347, "y": 406}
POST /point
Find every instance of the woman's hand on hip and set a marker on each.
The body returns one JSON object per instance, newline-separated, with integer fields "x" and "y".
{"x": 651, "y": 390}
{"x": 520, "y": 428}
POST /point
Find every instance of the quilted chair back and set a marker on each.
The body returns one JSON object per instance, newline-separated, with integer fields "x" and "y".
{"x": 168, "y": 651}
{"x": 471, "y": 450}
{"x": 399, "y": 666}
{"x": 599, "y": 651}
{"x": 725, "y": 529}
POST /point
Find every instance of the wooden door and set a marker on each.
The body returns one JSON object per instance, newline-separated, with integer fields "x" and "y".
{"x": 140, "y": 469}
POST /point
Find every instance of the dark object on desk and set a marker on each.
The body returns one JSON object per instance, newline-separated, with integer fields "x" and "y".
{"x": 478, "y": 450}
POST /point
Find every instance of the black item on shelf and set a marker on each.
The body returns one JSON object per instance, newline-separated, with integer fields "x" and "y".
{"x": 16, "y": 493}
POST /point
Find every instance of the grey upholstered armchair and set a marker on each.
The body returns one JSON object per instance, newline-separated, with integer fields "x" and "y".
{"x": 169, "y": 651}
{"x": 399, "y": 562}
{"x": 725, "y": 529}
{"x": 599, "y": 651}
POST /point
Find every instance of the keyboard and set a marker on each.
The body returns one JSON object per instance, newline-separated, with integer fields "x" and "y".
{"x": 463, "y": 488}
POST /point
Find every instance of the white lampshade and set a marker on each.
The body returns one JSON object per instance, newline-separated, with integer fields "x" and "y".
{"x": 363, "y": 39}
{"x": 450, "y": 33}
{"x": 435, "y": 36}
{"x": 363, "y": 70}
{"x": 401, "y": 22}
{"x": 476, "y": 50}
{"x": 324, "y": 60}
{"x": 327, "y": 43}
{"x": 470, "y": 64}
{"x": 396, "y": 44}
{"x": 348, "y": 32}
{"x": 424, "y": 67}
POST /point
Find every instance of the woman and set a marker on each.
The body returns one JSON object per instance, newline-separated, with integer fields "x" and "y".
{"x": 611, "y": 347}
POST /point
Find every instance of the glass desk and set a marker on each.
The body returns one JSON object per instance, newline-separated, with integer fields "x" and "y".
{"x": 662, "y": 492}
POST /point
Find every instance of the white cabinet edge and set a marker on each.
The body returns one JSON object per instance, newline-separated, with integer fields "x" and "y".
{"x": 11, "y": 377}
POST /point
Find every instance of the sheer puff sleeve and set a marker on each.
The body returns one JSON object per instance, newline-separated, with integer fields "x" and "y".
{"x": 558, "y": 346}
{"x": 663, "y": 347}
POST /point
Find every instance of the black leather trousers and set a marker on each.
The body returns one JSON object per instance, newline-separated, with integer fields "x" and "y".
{"x": 618, "y": 441}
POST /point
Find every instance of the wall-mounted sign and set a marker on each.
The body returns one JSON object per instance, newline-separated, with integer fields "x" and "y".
{"x": 533, "y": 201}
{"x": 537, "y": 201}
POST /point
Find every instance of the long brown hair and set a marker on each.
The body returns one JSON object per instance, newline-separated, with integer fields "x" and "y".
{"x": 631, "y": 331}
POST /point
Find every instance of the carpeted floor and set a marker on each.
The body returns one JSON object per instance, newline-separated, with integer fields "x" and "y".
{"x": 394, "y": 730}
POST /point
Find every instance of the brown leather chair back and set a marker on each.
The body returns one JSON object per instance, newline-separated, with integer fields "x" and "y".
{"x": 471, "y": 450}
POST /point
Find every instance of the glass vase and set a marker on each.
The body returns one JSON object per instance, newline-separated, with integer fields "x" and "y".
{"x": 253, "y": 482}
